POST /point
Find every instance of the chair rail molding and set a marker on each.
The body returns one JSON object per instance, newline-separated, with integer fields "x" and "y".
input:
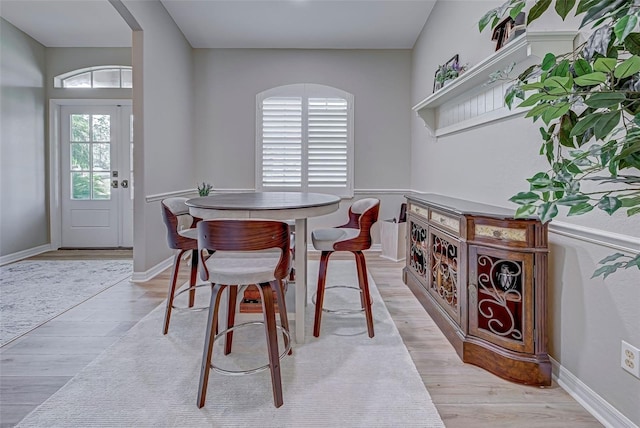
{"x": 471, "y": 101}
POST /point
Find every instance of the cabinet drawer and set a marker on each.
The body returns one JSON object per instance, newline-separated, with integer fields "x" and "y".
{"x": 419, "y": 211}
{"x": 445, "y": 221}
{"x": 497, "y": 232}
{"x": 510, "y": 233}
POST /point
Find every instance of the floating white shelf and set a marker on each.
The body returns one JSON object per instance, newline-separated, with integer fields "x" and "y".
{"x": 468, "y": 100}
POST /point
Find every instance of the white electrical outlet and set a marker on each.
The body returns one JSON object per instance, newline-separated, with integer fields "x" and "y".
{"x": 630, "y": 359}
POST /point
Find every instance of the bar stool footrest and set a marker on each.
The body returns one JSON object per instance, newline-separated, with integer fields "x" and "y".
{"x": 192, "y": 308}
{"x": 345, "y": 311}
{"x": 257, "y": 369}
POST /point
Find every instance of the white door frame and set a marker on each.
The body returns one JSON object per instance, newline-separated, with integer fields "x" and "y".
{"x": 55, "y": 201}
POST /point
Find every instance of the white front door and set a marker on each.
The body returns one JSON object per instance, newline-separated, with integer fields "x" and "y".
{"x": 96, "y": 176}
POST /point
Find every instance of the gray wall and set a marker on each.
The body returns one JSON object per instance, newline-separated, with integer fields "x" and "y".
{"x": 228, "y": 81}
{"x": 588, "y": 318}
{"x": 163, "y": 138}
{"x": 24, "y": 223}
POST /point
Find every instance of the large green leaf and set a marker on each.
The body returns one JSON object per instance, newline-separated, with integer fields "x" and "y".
{"x": 611, "y": 258}
{"x": 606, "y": 270}
{"x": 534, "y": 99}
{"x": 606, "y": 65}
{"x": 567, "y": 123}
{"x": 585, "y": 5}
{"x": 584, "y": 124}
{"x": 580, "y": 209}
{"x": 525, "y": 211}
{"x": 541, "y": 179}
{"x": 633, "y": 211}
{"x": 572, "y": 200}
{"x": 563, "y": 7}
{"x": 629, "y": 150}
{"x": 558, "y": 82}
{"x": 629, "y": 67}
{"x": 605, "y": 99}
{"x": 609, "y": 204}
{"x": 625, "y": 26}
{"x": 599, "y": 9}
{"x": 525, "y": 198}
{"x": 548, "y": 61}
{"x": 630, "y": 202}
{"x": 537, "y": 10}
{"x": 538, "y": 110}
{"x": 562, "y": 69}
{"x": 516, "y": 9}
{"x": 590, "y": 79}
{"x": 582, "y": 67}
{"x": 632, "y": 43}
{"x": 484, "y": 21}
{"x": 547, "y": 211}
{"x": 555, "y": 111}
{"x": 606, "y": 123}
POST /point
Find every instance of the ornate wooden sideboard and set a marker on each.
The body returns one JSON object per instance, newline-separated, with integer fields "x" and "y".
{"x": 481, "y": 274}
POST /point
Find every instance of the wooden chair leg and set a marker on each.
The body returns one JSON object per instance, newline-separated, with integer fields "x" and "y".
{"x": 272, "y": 341}
{"x": 212, "y": 321}
{"x": 193, "y": 278}
{"x": 322, "y": 279}
{"x": 282, "y": 308}
{"x": 364, "y": 287}
{"x": 172, "y": 290}
{"x": 231, "y": 316}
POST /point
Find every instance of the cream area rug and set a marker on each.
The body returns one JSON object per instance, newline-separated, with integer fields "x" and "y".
{"x": 341, "y": 379}
{"x": 33, "y": 292}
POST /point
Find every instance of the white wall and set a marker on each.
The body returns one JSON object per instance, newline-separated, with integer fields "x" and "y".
{"x": 163, "y": 138}
{"x": 588, "y": 318}
{"x": 24, "y": 223}
{"x": 228, "y": 81}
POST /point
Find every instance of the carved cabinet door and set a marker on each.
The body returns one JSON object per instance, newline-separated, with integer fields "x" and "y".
{"x": 418, "y": 246}
{"x": 501, "y": 297}
{"x": 443, "y": 277}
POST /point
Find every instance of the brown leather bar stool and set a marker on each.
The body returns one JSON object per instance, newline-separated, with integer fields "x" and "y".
{"x": 245, "y": 252}
{"x": 354, "y": 236}
{"x": 181, "y": 236}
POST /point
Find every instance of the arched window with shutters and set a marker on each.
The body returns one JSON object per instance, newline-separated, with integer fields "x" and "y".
{"x": 304, "y": 139}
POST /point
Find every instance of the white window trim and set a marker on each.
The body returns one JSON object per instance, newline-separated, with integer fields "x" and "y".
{"x": 306, "y": 90}
{"x": 59, "y": 79}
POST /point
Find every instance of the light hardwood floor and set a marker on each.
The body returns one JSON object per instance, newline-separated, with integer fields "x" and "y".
{"x": 36, "y": 365}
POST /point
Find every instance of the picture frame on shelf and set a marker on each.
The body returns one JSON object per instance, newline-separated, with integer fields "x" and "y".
{"x": 448, "y": 71}
{"x": 508, "y": 30}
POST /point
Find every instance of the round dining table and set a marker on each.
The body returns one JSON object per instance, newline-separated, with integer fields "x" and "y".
{"x": 284, "y": 206}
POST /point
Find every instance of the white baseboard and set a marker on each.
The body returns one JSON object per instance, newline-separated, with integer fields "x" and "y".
{"x": 151, "y": 273}
{"x": 604, "y": 412}
{"x": 10, "y": 258}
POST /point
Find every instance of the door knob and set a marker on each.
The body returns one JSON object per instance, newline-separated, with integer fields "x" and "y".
{"x": 124, "y": 184}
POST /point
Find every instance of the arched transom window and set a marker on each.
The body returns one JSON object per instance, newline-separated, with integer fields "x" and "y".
{"x": 105, "y": 76}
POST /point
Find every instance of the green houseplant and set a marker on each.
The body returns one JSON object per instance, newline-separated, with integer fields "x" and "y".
{"x": 589, "y": 103}
{"x": 449, "y": 72}
{"x": 204, "y": 189}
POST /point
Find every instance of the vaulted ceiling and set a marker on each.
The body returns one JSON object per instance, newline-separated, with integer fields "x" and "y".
{"x": 306, "y": 24}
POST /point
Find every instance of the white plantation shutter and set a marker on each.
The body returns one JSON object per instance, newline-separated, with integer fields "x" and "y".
{"x": 304, "y": 140}
{"x": 282, "y": 142}
{"x": 327, "y": 132}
